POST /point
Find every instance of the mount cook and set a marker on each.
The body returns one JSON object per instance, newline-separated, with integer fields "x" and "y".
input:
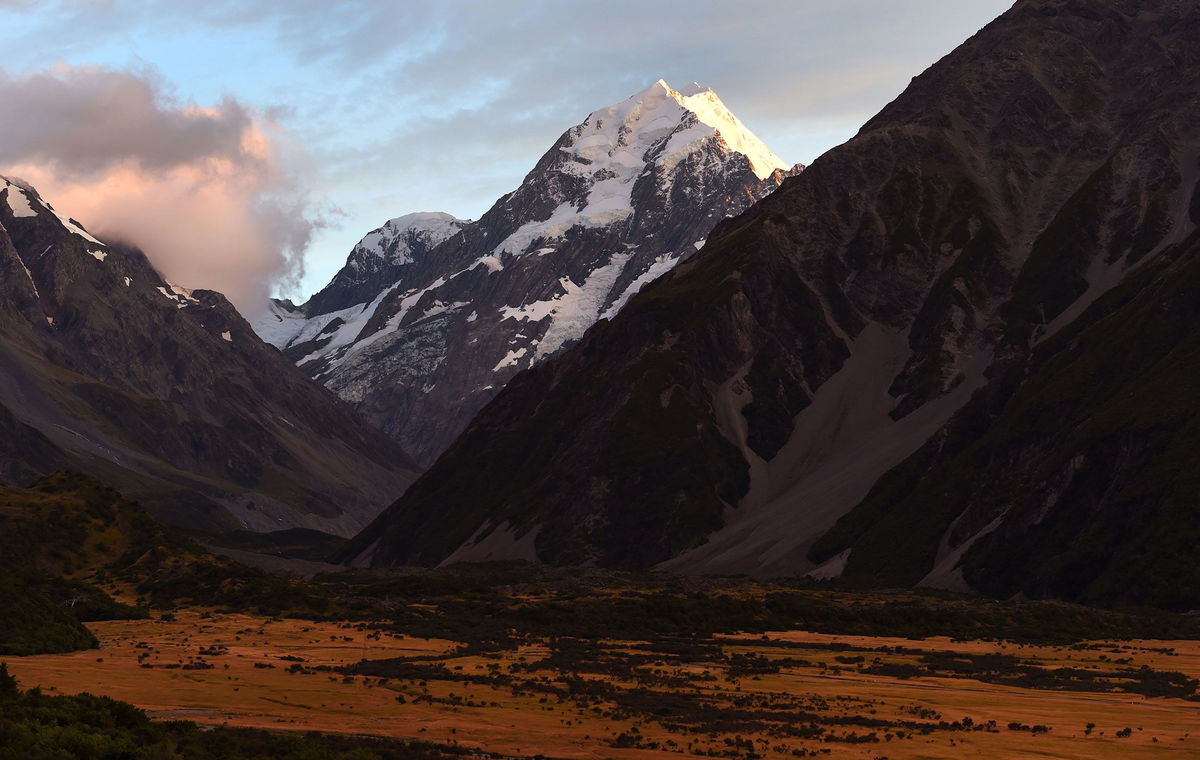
{"x": 432, "y": 315}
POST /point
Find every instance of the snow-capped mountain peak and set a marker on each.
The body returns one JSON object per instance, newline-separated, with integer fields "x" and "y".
{"x": 686, "y": 116}
{"x": 375, "y": 264}
{"x": 648, "y": 133}
{"x": 393, "y": 241}
{"x": 419, "y": 341}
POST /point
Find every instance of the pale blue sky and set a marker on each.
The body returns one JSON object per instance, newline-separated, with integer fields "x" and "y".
{"x": 444, "y": 106}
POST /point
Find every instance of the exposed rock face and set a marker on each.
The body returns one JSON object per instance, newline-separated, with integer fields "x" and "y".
{"x": 617, "y": 201}
{"x": 958, "y": 350}
{"x": 108, "y": 369}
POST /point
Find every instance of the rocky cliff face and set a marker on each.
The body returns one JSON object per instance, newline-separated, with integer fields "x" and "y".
{"x": 617, "y": 201}
{"x": 954, "y": 351}
{"x": 108, "y": 369}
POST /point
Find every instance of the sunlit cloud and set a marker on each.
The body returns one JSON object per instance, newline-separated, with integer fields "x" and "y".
{"x": 444, "y": 105}
{"x": 208, "y": 192}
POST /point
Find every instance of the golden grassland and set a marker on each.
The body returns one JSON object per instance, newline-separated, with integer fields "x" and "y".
{"x": 247, "y": 670}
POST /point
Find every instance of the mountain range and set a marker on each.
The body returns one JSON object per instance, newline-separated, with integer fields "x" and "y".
{"x": 956, "y": 351}
{"x": 432, "y": 315}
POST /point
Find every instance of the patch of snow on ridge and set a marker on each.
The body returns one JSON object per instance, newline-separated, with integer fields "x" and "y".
{"x": 177, "y": 293}
{"x": 575, "y": 310}
{"x": 563, "y": 218}
{"x": 406, "y": 303}
{"x": 99, "y": 255}
{"x": 491, "y": 262}
{"x": 278, "y": 325}
{"x": 661, "y": 266}
{"x": 72, "y": 226}
{"x": 440, "y": 307}
{"x": 513, "y": 357}
{"x": 17, "y": 202}
{"x": 182, "y": 292}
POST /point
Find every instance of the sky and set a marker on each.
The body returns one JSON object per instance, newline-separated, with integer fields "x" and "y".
{"x": 247, "y": 146}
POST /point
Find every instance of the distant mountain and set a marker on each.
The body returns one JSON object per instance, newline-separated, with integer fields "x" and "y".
{"x": 419, "y": 338}
{"x": 376, "y": 264}
{"x": 108, "y": 369}
{"x": 959, "y": 350}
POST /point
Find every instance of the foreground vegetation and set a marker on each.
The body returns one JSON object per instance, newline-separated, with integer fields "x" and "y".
{"x": 35, "y": 726}
{"x": 509, "y": 656}
{"x": 744, "y": 697}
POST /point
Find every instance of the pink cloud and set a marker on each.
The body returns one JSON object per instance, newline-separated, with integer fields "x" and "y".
{"x": 207, "y": 192}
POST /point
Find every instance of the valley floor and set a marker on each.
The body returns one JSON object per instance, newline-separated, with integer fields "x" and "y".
{"x": 784, "y": 694}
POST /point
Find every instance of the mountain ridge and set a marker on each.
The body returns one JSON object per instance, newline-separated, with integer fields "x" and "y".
{"x": 617, "y": 200}
{"x": 166, "y": 392}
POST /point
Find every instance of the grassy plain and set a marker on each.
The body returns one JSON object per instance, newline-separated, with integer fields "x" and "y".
{"x": 781, "y": 694}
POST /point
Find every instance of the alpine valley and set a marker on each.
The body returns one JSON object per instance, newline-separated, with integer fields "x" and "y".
{"x": 677, "y": 451}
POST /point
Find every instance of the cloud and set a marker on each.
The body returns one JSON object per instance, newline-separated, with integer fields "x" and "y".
{"x": 446, "y": 104}
{"x": 209, "y": 193}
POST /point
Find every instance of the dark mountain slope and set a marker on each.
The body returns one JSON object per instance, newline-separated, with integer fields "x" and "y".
{"x": 167, "y": 393}
{"x": 740, "y": 407}
{"x": 1075, "y": 475}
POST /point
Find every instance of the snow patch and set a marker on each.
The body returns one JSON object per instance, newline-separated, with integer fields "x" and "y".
{"x": 491, "y": 262}
{"x": 30, "y": 276}
{"x": 99, "y": 255}
{"x": 18, "y": 203}
{"x": 406, "y": 303}
{"x": 511, "y": 358}
{"x": 575, "y": 310}
{"x": 179, "y": 294}
{"x": 226, "y": 336}
{"x": 661, "y": 266}
{"x": 439, "y": 307}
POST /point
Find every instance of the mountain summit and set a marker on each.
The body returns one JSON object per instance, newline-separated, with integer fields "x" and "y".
{"x": 420, "y": 342}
